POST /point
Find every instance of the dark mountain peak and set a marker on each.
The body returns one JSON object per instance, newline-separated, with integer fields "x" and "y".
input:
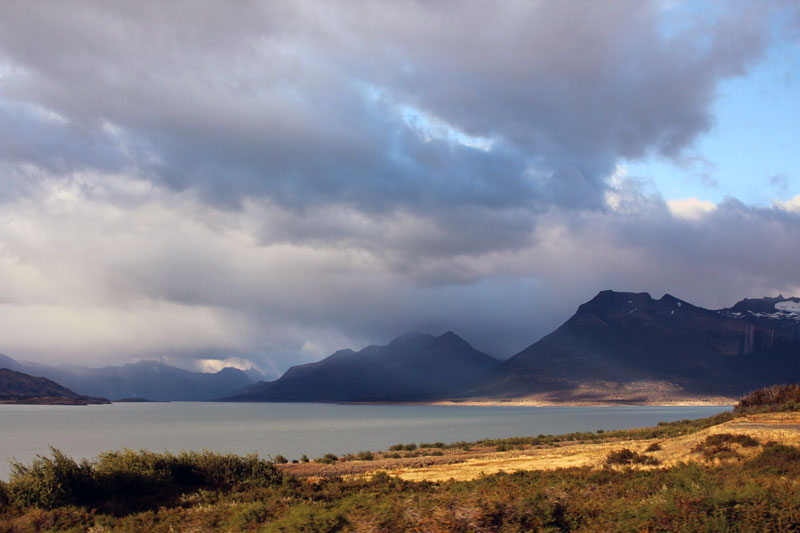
{"x": 412, "y": 337}
{"x": 414, "y": 366}
{"x": 613, "y": 301}
{"x": 452, "y": 341}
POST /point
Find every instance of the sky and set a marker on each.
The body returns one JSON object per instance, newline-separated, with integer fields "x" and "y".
{"x": 263, "y": 183}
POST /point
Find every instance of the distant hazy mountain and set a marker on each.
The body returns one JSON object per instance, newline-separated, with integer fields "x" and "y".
{"x": 17, "y": 387}
{"x": 666, "y": 345}
{"x": 147, "y": 379}
{"x": 411, "y": 367}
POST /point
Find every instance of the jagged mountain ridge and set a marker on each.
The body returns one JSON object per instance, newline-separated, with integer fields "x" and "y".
{"x": 18, "y": 387}
{"x": 411, "y": 367}
{"x": 619, "y": 338}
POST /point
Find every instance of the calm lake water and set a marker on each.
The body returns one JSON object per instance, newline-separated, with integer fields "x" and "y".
{"x": 293, "y": 429}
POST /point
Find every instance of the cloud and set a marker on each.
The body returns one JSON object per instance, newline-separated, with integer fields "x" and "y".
{"x": 792, "y": 204}
{"x": 160, "y": 274}
{"x": 267, "y": 184}
{"x": 691, "y": 208}
{"x": 309, "y": 103}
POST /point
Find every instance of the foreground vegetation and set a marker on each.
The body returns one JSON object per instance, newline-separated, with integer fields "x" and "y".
{"x": 733, "y": 483}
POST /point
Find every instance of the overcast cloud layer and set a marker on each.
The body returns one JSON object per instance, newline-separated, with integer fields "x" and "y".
{"x": 270, "y": 182}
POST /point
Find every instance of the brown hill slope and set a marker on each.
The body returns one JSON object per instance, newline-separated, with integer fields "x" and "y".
{"x": 16, "y": 387}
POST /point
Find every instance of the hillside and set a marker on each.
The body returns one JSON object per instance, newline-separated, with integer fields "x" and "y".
{"x": 412, "y": 367}
{"x": 17, "y": 387}
{"x": 631, "y": 347}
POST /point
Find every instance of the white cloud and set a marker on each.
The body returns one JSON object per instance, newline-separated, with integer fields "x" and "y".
{"x": 792, "y": 204}
{"x": 691, "y": 208}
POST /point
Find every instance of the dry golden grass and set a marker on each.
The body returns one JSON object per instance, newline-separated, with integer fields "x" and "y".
{"x": 779, "y": 427}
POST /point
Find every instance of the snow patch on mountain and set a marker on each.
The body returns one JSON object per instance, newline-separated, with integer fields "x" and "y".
{"x": 788, "y": 306}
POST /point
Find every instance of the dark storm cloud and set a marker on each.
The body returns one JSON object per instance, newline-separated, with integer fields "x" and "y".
{"x": 304, "y": 102}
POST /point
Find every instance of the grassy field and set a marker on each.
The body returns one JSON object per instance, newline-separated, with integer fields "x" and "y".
{"x": 725, "y": 473}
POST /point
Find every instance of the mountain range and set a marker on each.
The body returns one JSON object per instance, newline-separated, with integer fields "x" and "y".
{"x": 619, "y": 346}
{"x": 413, "y": 367}
{"x": 152, "y": 380}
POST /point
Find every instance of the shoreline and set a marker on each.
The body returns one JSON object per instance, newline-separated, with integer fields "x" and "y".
{"x": 713, "y": 401}
{"x": 716, "y": 402}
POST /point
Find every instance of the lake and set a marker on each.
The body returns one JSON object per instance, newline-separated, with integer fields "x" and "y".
{"x": 293, "y": 429}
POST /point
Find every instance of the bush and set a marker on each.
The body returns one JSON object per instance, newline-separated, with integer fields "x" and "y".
{"x": 397, "y": 447}
{"x": 719, "y": 439}
{"x": 304, "y": 458}
{"x": 769, "y": 399}
{"x": 655, "y": 447}
{"x": 3, "y": 496}
{"x": 410, "y": 447}
{"x": 125, "y": 480}
{"x": 327, "y": 459}
{"x": 252, "y": 513}
{"x": 718, "y": 446}
{"x": 365, "y": 456}
{"x": 280, "y": 460}
{"x": 776, "y": 458}
{"x": 628, "y": 457}
{"x": 50, "y": 483}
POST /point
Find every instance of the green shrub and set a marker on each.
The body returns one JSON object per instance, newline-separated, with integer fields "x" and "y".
{"x": 628, "y": 457}
{"x": 3, "y": 496}
{"x": 250, "y": 514}
{"x": 776, "y": 458}
{"x": 50, "y": 483}
{"x": 397, "y": 447}
{"x": 305, "y": 517}
{"x": 327, "y": 459}
{"x": 304, "y": 458}
{"x": 280, "y": 459}
{"x": 410, "y": 447}
{"x": 366, "y": 455}
{"x": 125, "y": 480}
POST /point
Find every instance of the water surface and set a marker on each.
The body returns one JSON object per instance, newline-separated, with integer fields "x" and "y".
{"x": 293, "y": 429}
